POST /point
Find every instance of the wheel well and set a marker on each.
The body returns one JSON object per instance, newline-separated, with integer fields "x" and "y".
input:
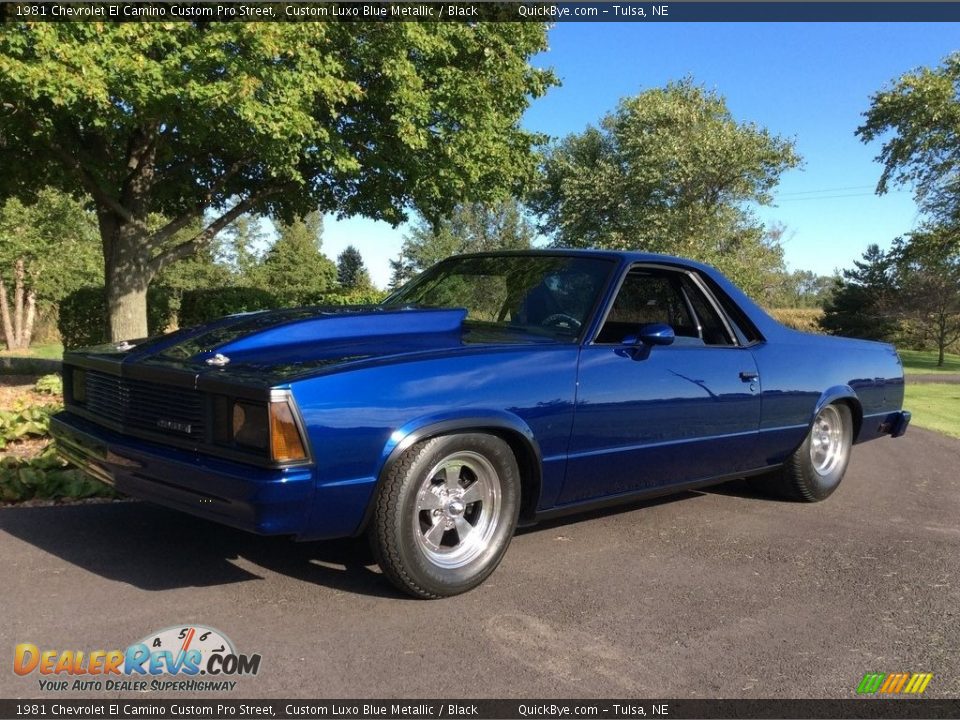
{"x": 528, "y": 461}
{"x": 856, "y": 412}
{"x": 529, "y": 464}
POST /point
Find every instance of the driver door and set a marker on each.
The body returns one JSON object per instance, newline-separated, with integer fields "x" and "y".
{"x": 651, "y": 416}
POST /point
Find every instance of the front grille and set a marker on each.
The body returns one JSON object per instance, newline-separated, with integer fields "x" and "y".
{"x": 140, "y": 405}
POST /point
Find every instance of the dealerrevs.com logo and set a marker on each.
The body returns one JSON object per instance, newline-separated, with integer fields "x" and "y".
{"x": 186, "y": 658}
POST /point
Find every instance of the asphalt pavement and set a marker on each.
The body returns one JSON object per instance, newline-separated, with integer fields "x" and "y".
{"x": 700, "y": 595}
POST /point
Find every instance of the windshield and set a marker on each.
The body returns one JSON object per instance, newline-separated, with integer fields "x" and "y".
{"x": 544, "y": 294}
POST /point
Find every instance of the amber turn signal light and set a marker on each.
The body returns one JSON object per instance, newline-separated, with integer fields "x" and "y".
{"x": 285, "y": 441}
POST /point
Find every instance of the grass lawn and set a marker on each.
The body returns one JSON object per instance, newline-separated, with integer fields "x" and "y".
{"x": 935, "y": 406}
{"x": 50, "y": 351}
{"x": 924, "y": 362}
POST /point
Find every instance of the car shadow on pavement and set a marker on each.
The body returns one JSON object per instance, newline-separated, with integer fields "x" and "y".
{"x": 153, "y": 548}
{"x": 617, "y": 509}
{"x": 742, "y": 488}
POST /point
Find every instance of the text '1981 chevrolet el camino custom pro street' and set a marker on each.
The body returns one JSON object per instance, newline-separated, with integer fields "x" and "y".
{"x": 493, "y": 389}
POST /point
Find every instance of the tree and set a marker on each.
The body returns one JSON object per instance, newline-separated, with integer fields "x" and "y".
{"x": 351, "y": 272}
{"x": 240, "y": 247}
{"x": 401, "y": 270}
{"x": 670, "y": 170}
{"x": 802, "y": 289}
{"x": 863, "y": 298}
{"x": 294, "y": 269}
{"x": 471, "y": 227}
{"x": 922, "y": 111}
{"x": 928, "y": 272}
{"x": 212, "y": 121}
{"x": 48, "y": 249}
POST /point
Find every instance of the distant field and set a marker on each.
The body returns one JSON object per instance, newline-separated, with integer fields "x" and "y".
{"x": 935, "y": 406}
{"x": 803, "y": 319}
{"x": 924, "y": 362}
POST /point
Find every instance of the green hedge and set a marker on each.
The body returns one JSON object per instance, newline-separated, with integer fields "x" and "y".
{"x": 369, "y": 297}
{"x": 83, "y": 315}
{"x": 201, "y": 305}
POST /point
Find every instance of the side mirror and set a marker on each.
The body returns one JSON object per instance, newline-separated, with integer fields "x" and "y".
{"x": 657, "y": 334}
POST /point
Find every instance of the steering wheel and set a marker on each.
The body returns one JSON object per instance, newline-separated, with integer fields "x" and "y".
{"x": 561, "y": 321}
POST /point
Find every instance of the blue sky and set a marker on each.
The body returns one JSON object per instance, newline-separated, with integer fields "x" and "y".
{"x": 809, "y": 82}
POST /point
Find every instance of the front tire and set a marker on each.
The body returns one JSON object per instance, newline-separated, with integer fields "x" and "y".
{"x": 815, "y": 469}
{"x": 445, "y": 514}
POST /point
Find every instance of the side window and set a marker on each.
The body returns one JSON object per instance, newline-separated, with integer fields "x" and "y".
{"x": 652, "y": 295}
{"x": 712, "y": 328}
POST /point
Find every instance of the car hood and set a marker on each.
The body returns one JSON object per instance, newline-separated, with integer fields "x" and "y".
{"x": 279, "y": 346}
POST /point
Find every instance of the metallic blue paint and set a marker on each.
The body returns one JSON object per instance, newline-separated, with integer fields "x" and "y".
{"x": 588, "y": 421}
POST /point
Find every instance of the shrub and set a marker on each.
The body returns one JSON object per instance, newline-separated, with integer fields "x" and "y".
{"x": 803, "y": 319}
{"x": 83, "y": 315}
{"x": 25, "y": 421}
{"x": 201, "y": 305}
{"x": 49, "y": 385}
{"x": 367, "y": 297}
{"x": 46, "y": 477}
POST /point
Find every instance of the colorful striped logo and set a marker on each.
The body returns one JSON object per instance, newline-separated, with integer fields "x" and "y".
{"x": 892, "y": 683}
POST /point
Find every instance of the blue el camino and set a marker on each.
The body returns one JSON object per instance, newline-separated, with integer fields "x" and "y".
{"x": 492, "y": 390}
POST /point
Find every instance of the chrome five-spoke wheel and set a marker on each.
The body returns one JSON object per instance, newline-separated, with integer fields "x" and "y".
{"x": 828, "y": 445}
{"x": 814, "y": 470}
{"x": 445, "y": 512}
{"x": 457, "y": 509}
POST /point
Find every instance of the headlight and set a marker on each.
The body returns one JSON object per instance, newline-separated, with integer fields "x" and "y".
{"x": 250, "y": 425}
{"x": 269, "y": 429}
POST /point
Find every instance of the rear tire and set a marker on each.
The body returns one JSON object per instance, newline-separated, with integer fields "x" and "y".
{"x": 815, "y": 469}
{"x": 445, "y": 513}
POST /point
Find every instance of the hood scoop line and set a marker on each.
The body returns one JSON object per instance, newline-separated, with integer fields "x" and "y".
{"x": 327, "y": 325}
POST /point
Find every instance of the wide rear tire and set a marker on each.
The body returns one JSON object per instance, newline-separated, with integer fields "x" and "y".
{"x": 814, "y": 471}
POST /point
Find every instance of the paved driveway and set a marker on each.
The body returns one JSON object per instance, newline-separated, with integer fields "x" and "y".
{"x": 700, "y": 595}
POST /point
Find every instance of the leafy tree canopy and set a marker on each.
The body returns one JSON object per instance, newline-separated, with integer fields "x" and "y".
{"x": 178, "y": 119}
{"x": 919, "y": 119}
{"x": 670, "y": 170}
{"x": 471, "y": 227}
{"x": 928, "y": 275}
{"x": 57, "y": 239}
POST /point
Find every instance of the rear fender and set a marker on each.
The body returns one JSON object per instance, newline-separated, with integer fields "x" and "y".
{"x": 837, "y": 393}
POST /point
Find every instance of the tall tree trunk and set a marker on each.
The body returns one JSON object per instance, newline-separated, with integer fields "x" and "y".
{"x": 126, "y": 275}
{"x": 31, "y": 311}
{"x": 5, "y": 317}
{"x": 18, "y": 273}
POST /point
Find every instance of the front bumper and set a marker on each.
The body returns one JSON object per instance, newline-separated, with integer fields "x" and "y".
{"x": 260, "y": 500}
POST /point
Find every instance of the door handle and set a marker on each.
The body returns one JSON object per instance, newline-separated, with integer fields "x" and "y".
{"x": 749, "y": 376}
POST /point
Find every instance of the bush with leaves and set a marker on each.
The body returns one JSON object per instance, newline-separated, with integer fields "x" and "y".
{"x": 202, "y": 305}
{"x": 368, "y": 297}
{"x": 49, "y": 385}
{"x": 46, "y": 477}
{"x": 24, "y": 421}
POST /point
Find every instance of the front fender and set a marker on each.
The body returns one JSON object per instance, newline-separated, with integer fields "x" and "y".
{"x": 507, "y": 425}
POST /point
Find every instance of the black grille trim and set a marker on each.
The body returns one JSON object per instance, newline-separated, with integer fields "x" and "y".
{"x": 141, "y": 405}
